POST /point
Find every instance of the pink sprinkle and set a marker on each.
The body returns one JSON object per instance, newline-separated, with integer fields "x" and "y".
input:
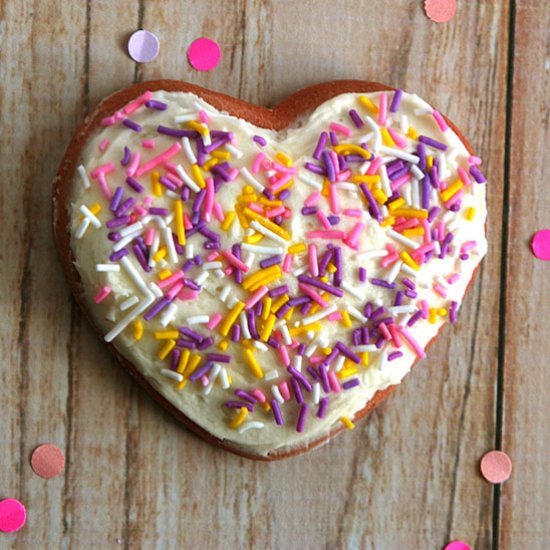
{"x": 468, "y": 245}
{"x": 334, "y": 382}
{"x": 313, "y": 264}
{"x": 399, "y": 141}
{"x": 106, "y": 168}
{"x": 343, "y": 176}
{"x": 133, "y": 166}
{"x": 287, "y": 213}
{"x": 159, "y": 159}
{"x": 148, "y": 143}
{"x": 203, "y": 115}
{"x": 476, "y": 161}
{"x": 340, "y": 128}
{"x": 103, "y": 184}
{"x": 374, "y": 166}
{"x": 416, "y": 347}
{"x": 102, "y": 294}
{"x": 259, "y": 395}
{"x": 187, "y": 222}
{"x": 287, "y": 263}
{"x": 214, "y": 321}
{"x": 313, "y": 294}
{"x": 256, "y": 208}
{"x": 211, "y": 256}
{"x": 103, "y": 145}
{"x": 354, "y": 234}
{"x": 218, "y": 211}
{"x": 283, "y": 353}
{"x": 457, "y": 197}
{"x": 333, "y": 199}
{"x": 427, "y": 237}
{"x": 256, "y": 297}
{"x": 209, "y": 200}
{"x": 440, "y": 290}
{"x": 335, "y": 163}
{"x": 281, "y": 182}
{"x": 149, "y": 236}
{"x": 284, "y": 389}
{"x": 274, "y": 212}
{"x": 257, "y": 161}
{"x": 382, "y": 114}
{"x": 147, "y": 201}
{"x": 140, "y": 211}
{"x": 233, "y": 173}
{"x": 425, "y": 309}
{"x": 234, "y": 261}
{"x": 353, "y": 212}
{"x": 326, "y": 234}
{"x": 323, "y": 219}
{"x": 169, "y": 281}
{"x": 395, "y": 336}
{"x": 204, "y": 380}
{"x": 137, "y": 103}
{"x": 463, "y": 175}
{"x": 174, "y": 291}
{"x": 282, "y": 168}
{"x": 315, "y": 359}
{"x": 440, "y": 121}
{"x": 384, "y": 330}
{"x": 108, "y": 121}
{"x": 228, "y": 270}
{"x": 453, "y": 278}
{"x": 336, "y": 316}
{"x": 396, "y": 184}
{"x": 389, "y": 259}
{"x": 188, "y": 294}
{"x": 312, "y": 199}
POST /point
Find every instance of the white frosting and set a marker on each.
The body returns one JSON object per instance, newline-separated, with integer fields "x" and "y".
{"x": 205, "y": 405}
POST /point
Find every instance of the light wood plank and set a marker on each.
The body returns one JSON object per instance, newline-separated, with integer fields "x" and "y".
{"x": 526, "y": 434}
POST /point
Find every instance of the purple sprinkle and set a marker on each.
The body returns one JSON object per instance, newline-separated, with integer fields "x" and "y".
{"x": 477, "y": 174}
{"x": 353, "y": 382}
{"x": 297, "y": 391}
{"x": 411, "y": 294}
{"x": 395, "y": 355}
{"x": 277, "y": 412}
{"x": 277, "y": 291}
{"x": 158, "y": 211}
{"x": 344, "y": 350}
{"x": 260, "y": 140}
{"x": 325, "y": 260}
{"x": 190, "y": 333}
{"x": 175, "y": 359}
{"x": 362, "y": 274}
{"x": 134, "y": 184}
{"x": 421, "y": 151}
{"x": 356, "y": 118}
{"x": 272, "y": 260}
{"x": 320, "y": 146}
{"x": 433, "y": 213}
{"x": 116, "y": 256}
{"x": 327, "y": 159}
{"x": 333, "y": 220}
{"x": 324, "y": 378}
{"x": 141, "y": 258}
{"x": 282, "y": 311}
{"x": 414, "y": 318}
{"x": 167, "y": 183}
{"x": 117, "y": 222}
{"x": 302, "y": 418}
{"x": 236, "y": 333}
{"x": 299, "y": 301}
{"x": 114, "y": 236}
{"x": 356, "y": 337}
{"x": 216, "y": 144}
{"x": 154, "y": 104}
{"x": 284, "y": 194}
{"x": 187, "y": 344}
{"x": 452, "y": 311}
{"x": 333, "y": 138}
{"x": 398, "y": 298}
{"x": 409, "y": 283}
{"x": 320, "y": 284}
{"x": 309, "y": 210}
{"x": 129, "y": 123}
{"x": 315, "y": 168}
{"x": 464, "y": 256}
{"x": 218, "y": 358}
{"x": 338, "y": 274}
{"x": 300, "y": 377}
{"x": 375, "y": 210}
{"x": 206, "y": 343}
{"x": 238, "y": 404}
{"x": 275, "y": 344}
{"x": 157, "y": 308}
{"x": 126, "y": 157}
{"x": 200, "y": 372}
{"x": 300, "y": 350}
{"x": 396, "y": 100}
{"x": 365, "y": 336}
{"x": 115, "y": 201}
{"x": 432, "y": 143}
{"x": 313, "y": 373}
{"x": 245, "y": 396}
{"x": 382, "y": 283}
{"x": 323, "y": 406}
{"x": 367, "y": 310}
{"x": 434, "y": 178}
{"x": 125, "y": 206}
{"x": 176, "y": 132}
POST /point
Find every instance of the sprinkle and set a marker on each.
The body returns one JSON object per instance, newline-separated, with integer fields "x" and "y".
{"x": 302, "y": 418}
{"x": 102, "y": 294}
{"x": 159, "y": 159}
{"x": 83, "y": 176}
{"x": 347, "y": 422}
{"x": 239, "y": 418}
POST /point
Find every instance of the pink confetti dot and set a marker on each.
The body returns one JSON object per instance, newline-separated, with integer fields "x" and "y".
{"x": 12, "y": 515}
{"x": 204, "y": 54}
{"x": 457, "y": 545}
{"x": 440, "y": 11}
{"x": 143, "y": 46}
{"x": 496, "y": 466}
{"x": 540, "y": 245}
{"x": 48, "y": 461}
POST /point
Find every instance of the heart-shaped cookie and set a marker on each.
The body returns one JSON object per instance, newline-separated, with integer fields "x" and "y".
{"x": 269, "y": 275}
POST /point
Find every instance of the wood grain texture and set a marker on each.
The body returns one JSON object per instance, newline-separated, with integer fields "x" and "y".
{"x": 405, "y": 478}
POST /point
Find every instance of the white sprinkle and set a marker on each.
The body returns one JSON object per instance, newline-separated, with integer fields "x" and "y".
{"x": 277, "y": 394}
{"x": 156, "y": 290}
{"x": 409, "y": 270}
{"x": 224, "y": 293}
{"x": 104, "y": 268}
{"x": 172, "y": 374}
{"x": 189, "y": 251}
{"x": 201, "y": 277}
{"x": 188, "y": 150}
{"x": 154, "y": 249}
{"x": 340, "y": 360}
{"x": 244, "y": 326}
{"x": 377, "y": 136}
{"x": 286, "y": 334}
{"x": 219, "y": 274}
{"x": 397, "y": 310}
{"x": 169, "y": 241}
{"x": 252, "y": 425}
{"x": 300, "y": 270}
{"x": 198, "y": 320}
{"x": 403, "y": 240}
{"x": 368, "y": 348}
{"x": 316, "y": 392}
{"x": 310, "y": 350}
{"x": 260, "y": 345}
{"x": 251, "y": 179}
{"x": 84, "y": 176}
{"x": 84, "y": 224}
{"x": 233, "y": 150}
{"x": 319, "y": 315}
{"x": 127, "y": 304}
{"x": 404, "y": 123}
{"x": 415, "y": 186}
{"x": 224, "y": 378}
{"x": 394, "y": 271}
{"x": 385, "y": 181}
{"x": 352, "y": 290}
{"x": 119, "y": 245}
{"x": 131, "y": 229}
{"x": 309, "y": 180}
{"x": 442, "y": 166}
{"x": 406, "y": 192}
{"x": 134, "y": 275}
{"x": 249, "y": 259}
{"x": 298, "y": 362}
{"x": 186, "y": 117}
{"x": 346, "y": 185}
{"x": 263, "y": 250}
{"x": 372, "y": 254}
{"x": 168, "y": 314}
{"x": 231, "y": 301}
{"x": 267, "y": 232}
{"x": 211, "y": 265}
{"x": 354, "y": 312}
{"x": 212, "y": 378}
{"x": 90, "y": 215}
{"x": 437, "y": 248}
{"x": 423, "y": 111}
{"x": 416, "y": 172}
{"x": 187, "y": 179}
{"x": 134, "y": 314}
{"x": 399, "y": 154}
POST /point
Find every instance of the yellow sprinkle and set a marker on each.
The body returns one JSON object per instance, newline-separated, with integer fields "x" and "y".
{"x": 279, "y": 303}
{"x": 314, "y": 308}
{"x": 160, "y": 253}
{"x": 95, "y": 209}
{"x": 396, "y": 203}
{"x": 197, "y": 176}
{"x": 253, "y": 364}
{"x": 207, "y": 166}
{"x": 248, "y": 190}
{"x": 248, "y": 344}
{"x": 230, "y": 318}
{"x": 414, "y": 232}
{"x": 429, "y": 161}
{"x": 191, "y": 366}
{"x": 288, "y": 315}
{"x": 166, "y": 334}
{"x": 410, "y": 213}
{"x": 326, "y": 185}
{"x": 266, "y": 406}
{"x": 268, "y": 327}
{"x": 137, "y": 329}
{"x": 442, "y": 312}
{"x": 183, "y": 361}
{"x": 369, "y": 180}
{"x": 470, "y": 213}
{"x": 249, "y": 280}
{"x": 267, "y": 223}
{"x": 390, "y": 220}
{"x": 165, "y": 274}
{"x": 379, "y": 196}
{"x": 346, "y": 321}
{"x": 325, "y": 351}
{"x": 367, "y": 103}
{"x": 453, "y": 189}
{"x": 228, "y": 220}
{"x": 271, "y": 204}
{"x": 255, "y": 238}
{"x": 412, "y": 133}
{"x": 155, "y": 183}
{"x": 265, "y": 281}
{"x": 178, "y": 215}
{"x": 347, "y": 372}
{"x": 297, "y": 248}
{"x": 295, "y": 331}
{"x": 223, "y": 345}
{"x": 331, "y": 268}
{"x": 346, "y": 422}
{"x": 347, "y": 148}
{"x": 239, "y": 418}
{"x": 406, "y": 257}
{"x": 386, "y": 138}
{"x": 432, "y": 316}
{"x": 364, "y": 358}
{"x": 222, "y": 155}
{"x": 198, "y": 127}
{"x": 166, "y": 349}
{"x": 283, "y": 159}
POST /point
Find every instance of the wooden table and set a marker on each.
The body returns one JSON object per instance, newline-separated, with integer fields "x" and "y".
{"x": 407, "y": 478}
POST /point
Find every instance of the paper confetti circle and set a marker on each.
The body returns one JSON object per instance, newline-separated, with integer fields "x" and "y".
{"x": 540, "y": 245}
{"x": 143, "y": 46}
{"x": 440, "y": 11}
{"x": 204, "y": 54}
{"x": 12, "y": 515}
{"x": 47, "y": 461}
{"x": 496, "y": 466}
{"x": 457, "y": 545}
